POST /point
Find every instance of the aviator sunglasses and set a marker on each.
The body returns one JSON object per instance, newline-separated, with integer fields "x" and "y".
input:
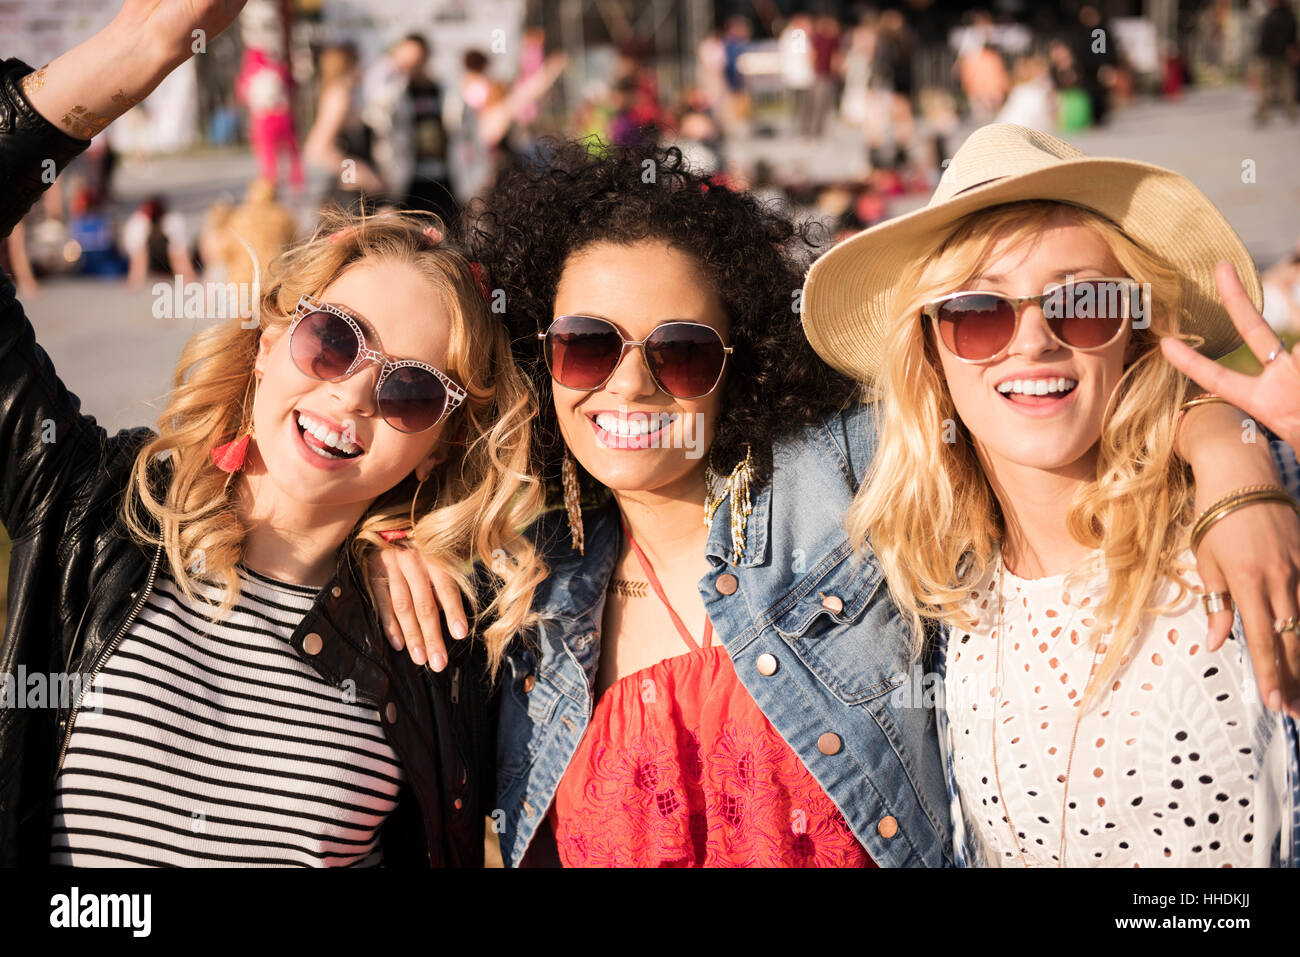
{"x": 685, "y": 359}
{"x": 1086, "y": 314}
{"x": 328, "y": 344}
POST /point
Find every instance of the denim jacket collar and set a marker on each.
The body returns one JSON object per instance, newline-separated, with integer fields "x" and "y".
{"x": 718, "y": 548}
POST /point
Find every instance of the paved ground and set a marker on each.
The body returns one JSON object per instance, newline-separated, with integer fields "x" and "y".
{"x": 118, "y": 358}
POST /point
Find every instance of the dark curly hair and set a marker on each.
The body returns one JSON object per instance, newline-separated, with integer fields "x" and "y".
{"x": 581, "y": 194}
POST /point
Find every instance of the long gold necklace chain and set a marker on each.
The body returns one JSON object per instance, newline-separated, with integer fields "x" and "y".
{"x": 1074, "y": 738}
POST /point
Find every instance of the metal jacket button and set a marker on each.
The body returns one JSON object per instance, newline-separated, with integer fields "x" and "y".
{"x": 530, "y": 682}
{"x": 766, "y": 664}
{"x": 336, "y": 591}
{"x": 390, "y": 712}
{"x": 833, "y": 604}
{"x": 829, "y": 743}
{"x": 312, "y": 644}
{"x": 458, "y": 804}
{"x": 726, "y": 584}
{"x": 888, "y": 826}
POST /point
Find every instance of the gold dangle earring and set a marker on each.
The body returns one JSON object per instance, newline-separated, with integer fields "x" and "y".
{"x": 572, "y": 500}
{"x": 737, "y": 485}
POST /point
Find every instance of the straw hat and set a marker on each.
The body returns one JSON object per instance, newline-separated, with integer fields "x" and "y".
{"x": 849, "y": 292}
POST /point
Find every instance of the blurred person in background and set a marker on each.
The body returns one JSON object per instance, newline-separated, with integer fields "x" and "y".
{"x": 263, "y": 87}
{"x": 1282, "y": 294}
{"x": 893, "y": 71}
{"x": 858, "y": 58}
{"x": 1032, "y": 100}
{"x": 389, "y": 112}
{"x": 90, "y": 226}
{"x": 337, "y": 148}
{"x": 827, "y": 63}
{"x": 795, "y": 48}
{"x": 736, "y": 39}
{"x": 430, "y": 187}
{"x": 15, "y": 262}
{"x": 1096, "y": 56}
{"x": 211, "y": 244}
{"x": 480, "y": 114}
{"x": 982, "y": 72}
{"x": 259, "y": 226}
{"x": 1279, "y": 56}
{"x": 156, "y": 243}
{"x": 711, "y": 71}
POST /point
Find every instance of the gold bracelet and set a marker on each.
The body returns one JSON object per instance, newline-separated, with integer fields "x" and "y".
{"x": 1250, "y": 495}
{"x": 1205, "y": 398}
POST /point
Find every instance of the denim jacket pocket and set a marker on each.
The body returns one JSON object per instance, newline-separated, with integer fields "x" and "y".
{"x": 831, "y": 622}
{"x": 528, "y": 704}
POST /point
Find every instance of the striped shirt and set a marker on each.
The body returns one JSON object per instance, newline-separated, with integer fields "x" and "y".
{"x": 205, "y": 744}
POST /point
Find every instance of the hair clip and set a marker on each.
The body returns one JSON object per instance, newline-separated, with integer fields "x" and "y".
{"x": 480, "y": 277}
{"x": 434, "y": 234}
{"x": 393, "y": 534}
{"x": 343, "y": 233}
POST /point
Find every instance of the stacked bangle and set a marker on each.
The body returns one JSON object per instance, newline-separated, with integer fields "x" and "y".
{"x": 1250, "y": 495}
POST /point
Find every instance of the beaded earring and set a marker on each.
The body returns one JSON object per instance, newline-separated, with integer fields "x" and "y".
{"x": 572, "y": 500}
{"x": 736, "y": 485}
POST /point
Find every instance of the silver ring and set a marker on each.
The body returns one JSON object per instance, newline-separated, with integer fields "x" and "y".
{"x": 1216, "y": 601}
{"x": 1286, "y": 624}
{"x": 1281, "y": 350}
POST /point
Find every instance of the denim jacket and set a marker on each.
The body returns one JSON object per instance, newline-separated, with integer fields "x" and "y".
{"x": 799, "y": 593}
{"x": 1275, "y": 747}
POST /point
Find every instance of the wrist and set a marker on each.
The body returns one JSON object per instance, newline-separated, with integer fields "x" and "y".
{"x": 1204, "y": 432}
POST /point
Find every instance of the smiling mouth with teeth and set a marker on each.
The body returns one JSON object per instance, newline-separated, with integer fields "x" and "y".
{"x": 635, "y": 425}
{"x": 328, "y": 444}
{"x": 1056, "y": 388}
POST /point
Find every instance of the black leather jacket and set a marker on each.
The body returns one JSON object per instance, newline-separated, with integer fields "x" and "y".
{"x": 77, "y": 581}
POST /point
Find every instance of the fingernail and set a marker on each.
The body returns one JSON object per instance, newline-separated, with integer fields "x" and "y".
{"x": 417, "y": 655}
{"x": 1275, "y": 700}
{"x": 459, "y": 630}
{"x": 439, "y": 661}
{"x": 395, "y": 640}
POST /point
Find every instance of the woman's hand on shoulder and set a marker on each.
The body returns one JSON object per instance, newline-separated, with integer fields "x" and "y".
{"x": 1253, "y": 554}
{"x": 1273, "y": 396}
{"x": 413, "y": 595}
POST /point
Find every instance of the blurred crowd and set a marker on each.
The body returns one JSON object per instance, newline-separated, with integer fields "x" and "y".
{"x": 899, "y": 94}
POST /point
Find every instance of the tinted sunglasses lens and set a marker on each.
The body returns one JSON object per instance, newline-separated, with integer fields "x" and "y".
{"x": 1087, "y": 315}
{"x": 685, "y": 358}
{"x": 977, "y": 326}
{"x": 582, "y": 352}
{"x": 323, "y": 346}
{"x": 412, "y": 399}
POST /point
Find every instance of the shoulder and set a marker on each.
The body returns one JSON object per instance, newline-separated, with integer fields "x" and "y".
{"x": 845, "y": 439}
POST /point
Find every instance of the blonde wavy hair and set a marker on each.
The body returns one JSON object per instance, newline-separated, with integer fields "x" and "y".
{"x": 472, "y": 509}
{"x": 927, "y": 508}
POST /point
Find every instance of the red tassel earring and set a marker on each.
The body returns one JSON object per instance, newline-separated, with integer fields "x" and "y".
{"x": 230, "y": 456}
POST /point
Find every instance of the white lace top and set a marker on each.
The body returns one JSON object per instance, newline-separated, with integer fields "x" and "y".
{"x": 1160, "y": 770}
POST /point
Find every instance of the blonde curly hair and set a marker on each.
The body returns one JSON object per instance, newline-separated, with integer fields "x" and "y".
{"x": 471, "y": 510}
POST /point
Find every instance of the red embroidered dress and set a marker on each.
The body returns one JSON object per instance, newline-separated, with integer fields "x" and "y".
{"x": 680, "y": 768}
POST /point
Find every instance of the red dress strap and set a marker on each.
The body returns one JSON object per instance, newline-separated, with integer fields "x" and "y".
{"x": 659, "y": 590}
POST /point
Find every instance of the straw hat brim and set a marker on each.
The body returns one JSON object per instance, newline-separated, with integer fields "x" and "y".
{"x": 849, "y": 292}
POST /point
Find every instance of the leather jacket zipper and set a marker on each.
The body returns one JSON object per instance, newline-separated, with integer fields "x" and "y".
{"x": 104, "y": 654}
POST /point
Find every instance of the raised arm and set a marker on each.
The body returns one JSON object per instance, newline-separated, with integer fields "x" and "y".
{"x": 95, "y": 82}
{"x": 45, "y": 117}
